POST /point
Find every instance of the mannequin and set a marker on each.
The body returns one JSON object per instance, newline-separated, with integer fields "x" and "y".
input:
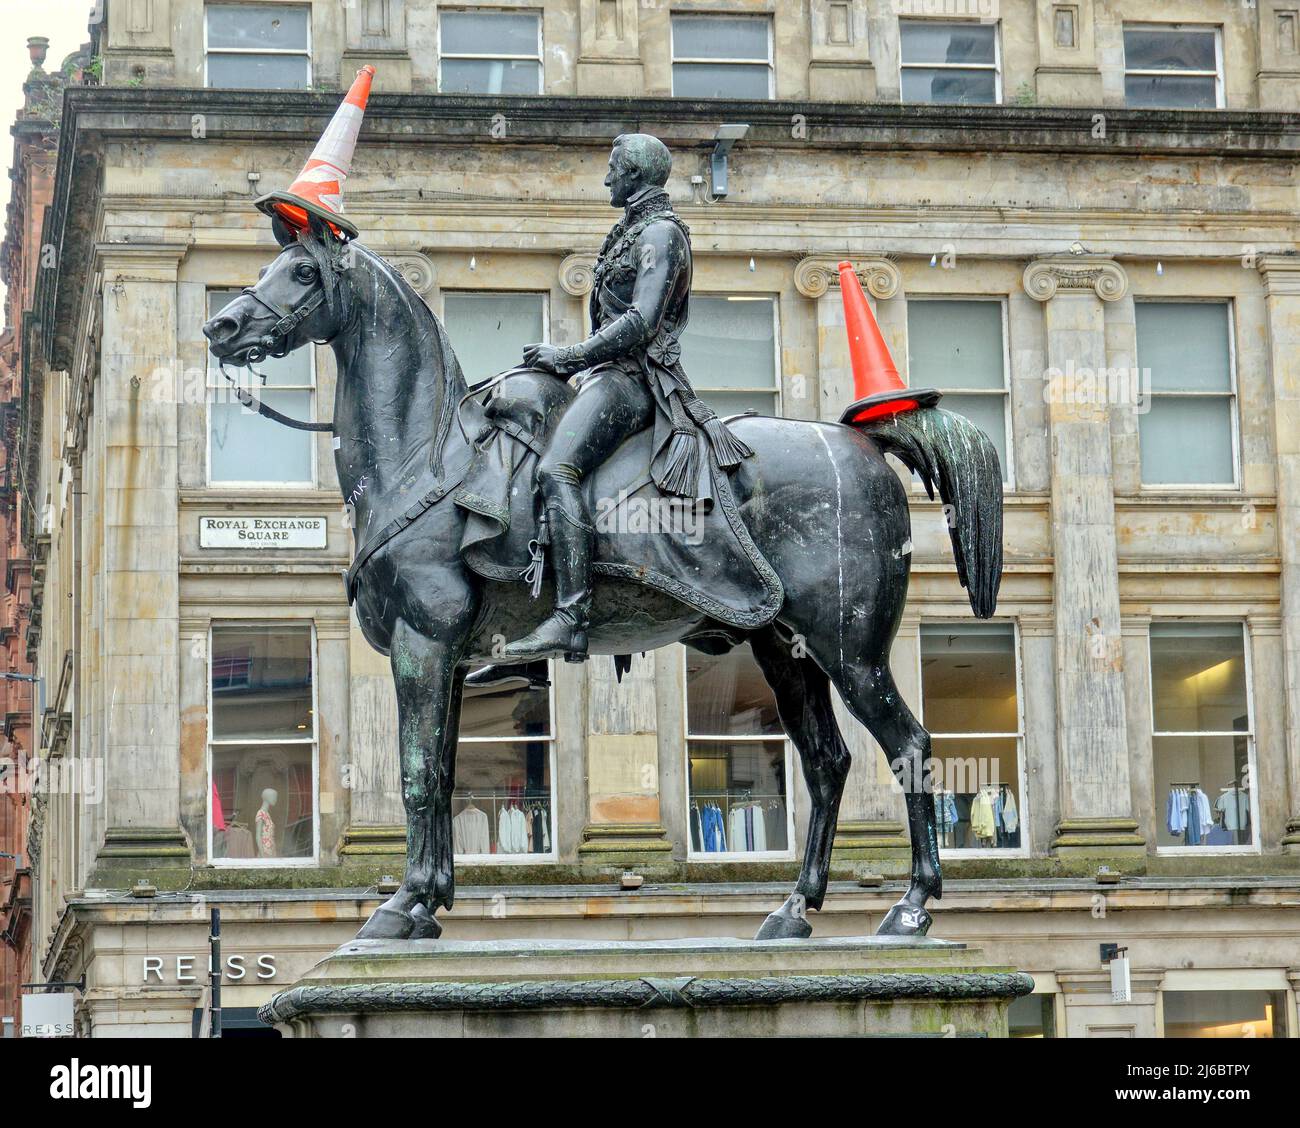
{"x": 265, "y": 825}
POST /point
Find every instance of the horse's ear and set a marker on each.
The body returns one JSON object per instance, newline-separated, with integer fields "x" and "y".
{"x": 285, "y": 235}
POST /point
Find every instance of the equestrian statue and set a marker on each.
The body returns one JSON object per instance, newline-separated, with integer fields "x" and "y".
{"x": 473, "y": 509}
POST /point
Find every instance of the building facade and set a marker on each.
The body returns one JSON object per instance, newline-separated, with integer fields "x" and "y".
{"x": 1078, "y": 219}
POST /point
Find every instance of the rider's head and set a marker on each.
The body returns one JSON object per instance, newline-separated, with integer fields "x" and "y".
{"x": 636, "y": 160}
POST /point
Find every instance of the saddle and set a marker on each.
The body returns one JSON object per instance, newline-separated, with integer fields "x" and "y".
{"x": 696, "y": 550}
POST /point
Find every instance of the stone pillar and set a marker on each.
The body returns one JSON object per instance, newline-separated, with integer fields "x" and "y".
{"x": 1037, "y": 665}
{"x": 136, "y": 413}
{"x": 624, "y": 829}
{"x": 1282, "y": 297}
{"x": 1096, "y": 815}
{"x": 872, "y": 823}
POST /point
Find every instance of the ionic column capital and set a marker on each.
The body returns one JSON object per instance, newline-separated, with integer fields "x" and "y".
{"x": 815, "y": 275}
{"x": 1043, "y": 278}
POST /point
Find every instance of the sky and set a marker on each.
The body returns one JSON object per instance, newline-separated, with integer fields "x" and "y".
{"x": 63, "y": 22}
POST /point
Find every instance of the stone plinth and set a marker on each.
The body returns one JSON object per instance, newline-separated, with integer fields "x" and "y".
{"x": 843, "y": 986}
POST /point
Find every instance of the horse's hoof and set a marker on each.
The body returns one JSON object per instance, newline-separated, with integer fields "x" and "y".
{"x": 787, "y": 923}
{"x": 905, "y": 920}
{"x": 393, "y": 924}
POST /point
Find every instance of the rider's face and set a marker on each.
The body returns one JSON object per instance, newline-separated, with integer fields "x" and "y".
{"x": 622, "y": 180}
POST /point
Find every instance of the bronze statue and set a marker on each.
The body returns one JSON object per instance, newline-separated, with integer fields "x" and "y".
{"x": 805, "y": 557}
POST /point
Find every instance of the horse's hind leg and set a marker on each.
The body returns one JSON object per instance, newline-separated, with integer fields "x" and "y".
{"x": 803, "y": 697}
{"x": 429, "y": 689}
{"x": 872, "y": 697}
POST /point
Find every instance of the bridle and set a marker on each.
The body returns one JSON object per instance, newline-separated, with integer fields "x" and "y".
{"x": 275, "y": 342}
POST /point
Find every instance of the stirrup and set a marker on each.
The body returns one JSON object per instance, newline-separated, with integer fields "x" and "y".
{"x": 535, "y": 645}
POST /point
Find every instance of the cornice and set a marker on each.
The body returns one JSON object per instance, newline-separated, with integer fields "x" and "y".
{"x": 1281, "y": 274}
{"x": 815, "y": 275}
{"x": 1045, "y": 278}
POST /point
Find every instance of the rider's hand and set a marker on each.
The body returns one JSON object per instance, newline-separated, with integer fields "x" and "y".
{"x": 543, "y": 357}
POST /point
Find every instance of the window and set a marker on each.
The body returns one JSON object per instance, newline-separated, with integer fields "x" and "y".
{"x": 722, "y": 57}
{"x": 245, "y": 448}
{"x": 970, "y": 702}
{"x": 951, "y": 63}
{"x": 1032, "y": 1016}
{"x": 489, "y": 331}
{"x": 1224, "y": 1014}
{"x": 959, "y": 347}
{"x": 738, "y": 760}
{"x": 262, "y": 744}
{"x": 1202, "y": 741}
{"x": 503, "y": 808}
{"x": 1173, "y": 66}
{"x": 485, "y": 52}
{"x": 258, "y": 46}
{"x": 1187, "y": 433}
{"x": 729, "y": 351}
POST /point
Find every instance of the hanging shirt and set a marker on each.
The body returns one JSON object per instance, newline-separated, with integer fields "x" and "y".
{"x": 1176, "y": 815}
{"x": 981, "y": 816}
{"x": 1010, "y": 813}
{"x": 469, "y": 832}
{"x": 1234, "y": 805}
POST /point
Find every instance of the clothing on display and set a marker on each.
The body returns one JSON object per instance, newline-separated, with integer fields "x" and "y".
{"x": 469, "y": 831}
{"x": 741, "y": 826}
{"x": 511, "y": 824}
{"x": 265, "y": 834}
{"x": 1233, "y": 806}
{"x": 1190, "y": 816}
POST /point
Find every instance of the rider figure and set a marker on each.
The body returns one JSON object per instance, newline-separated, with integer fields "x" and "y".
{"x": 632, "y": 379}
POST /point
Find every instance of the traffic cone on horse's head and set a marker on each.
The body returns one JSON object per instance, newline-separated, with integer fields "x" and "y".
{"x": 877, "y": 387}
{"x": 319, "y": 187}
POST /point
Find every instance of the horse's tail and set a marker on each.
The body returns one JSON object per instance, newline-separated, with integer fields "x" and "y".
{"x": 950, "y": 452}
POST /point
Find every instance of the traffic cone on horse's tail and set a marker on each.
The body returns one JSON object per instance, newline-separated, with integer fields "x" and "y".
{"x": 877, "y": 387}
{"x": 319, "y": 187}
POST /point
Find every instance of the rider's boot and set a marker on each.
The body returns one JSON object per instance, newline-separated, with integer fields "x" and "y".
{"x": 565, "y": 630}
{"x": 535, "y": 674}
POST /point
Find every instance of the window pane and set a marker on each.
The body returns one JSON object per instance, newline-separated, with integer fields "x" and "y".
{"x": 251, "y": 26}
{"x": 1184, "y": 345}
{"x": 505, "y": 712}
{"x": 1187, "y": 441}
{"x": 736, "y": 403}
{"x": 926, "y": 41}
{"x": 265, "y": 797}
{"x": 503, "y": 803}
{"x": 489, "y": 331}
{"x": 1203, "y": 791}
{"x": 261, "y": 683}
{"x": 247, "y": 447}
{"x": 727, "y": 695}
{"x": 1160, "y": 49}
{"x": 259, "y": 72}
{"x": 730, "y": 344}
{"x": 1170, "y": 91}
{"x": 1224, "y": 1014}
{"x": 489, "y": 76}
{"x": 950, "y": 87}
{"x": 977, "y": 800}
{"x": 295, "y": 368}
{"x": 968, "y": 678}
{"x": 955, "y": 344}
{"x": 720, "y": 37}
{"x": 738, "y": 797}
{"x": 1198, "y": 677}
{"x": 490, "y": 33}
{"x": 1032, "y": 1016}
{"x": 721, "y": 80}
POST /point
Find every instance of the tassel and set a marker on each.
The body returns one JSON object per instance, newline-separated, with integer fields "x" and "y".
{"x": 682, "y": 465}
{"x": 727, "y": 449}
{"x": 536, "y": 567}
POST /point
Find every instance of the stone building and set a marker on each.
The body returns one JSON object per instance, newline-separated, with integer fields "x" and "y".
{"x": 1078, "y": 219}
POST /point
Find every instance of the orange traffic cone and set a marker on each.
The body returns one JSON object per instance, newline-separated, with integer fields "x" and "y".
{"x": 319, "y": 187}
{"x": 877, "y": 386}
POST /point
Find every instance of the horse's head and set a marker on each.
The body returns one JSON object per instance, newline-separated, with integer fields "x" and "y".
{"x": 302, "y": 296}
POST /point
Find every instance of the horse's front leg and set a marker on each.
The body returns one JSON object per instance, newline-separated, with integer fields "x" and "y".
{"x": 429, "y": 687}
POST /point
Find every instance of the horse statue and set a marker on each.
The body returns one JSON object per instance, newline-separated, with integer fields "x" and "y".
{"x": 822, "y": 506}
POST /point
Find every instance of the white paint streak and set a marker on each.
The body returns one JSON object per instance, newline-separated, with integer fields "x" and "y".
{"x": 839, "y": 539}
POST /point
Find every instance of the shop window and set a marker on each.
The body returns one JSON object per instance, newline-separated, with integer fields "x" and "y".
{"x": 262, "y": 743}
{"x": 1032, "y": 1016}
{"x": 1184, "y": 355}
{"x": 949, "y": 63}
{"x": 485, "y": 52}
{"x": 1225, "y": 1014}
{"x": 970, "y": 702}
{"x": 257, "y": 46}
{"x": 959, "y": 347}
{"x": 738, "y": 759}
{"x": 503, "y": 807}
{"x": 1172, "y": 66}
{"x": 488, "y": 331}
{"x": 245, "y": 448}
{"x": 1202, "y": 743}
{"x": 729, "y": 352}
{"x": 722, "y": 56}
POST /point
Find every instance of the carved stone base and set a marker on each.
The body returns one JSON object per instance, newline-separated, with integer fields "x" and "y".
{"x": 864, "y": 839}
{"x": 839, "y": 986}
{"x": 160, "y": 855}
{"x": 1291, "y": 839}
{"x": 362, "y": 843}
{"x": 609, "y": 847}
{"x": 1085, "y": 843}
